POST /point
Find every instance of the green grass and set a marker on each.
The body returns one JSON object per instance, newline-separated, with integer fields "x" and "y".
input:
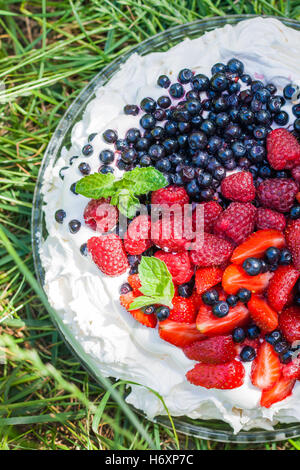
{"x": 49, "y": 51}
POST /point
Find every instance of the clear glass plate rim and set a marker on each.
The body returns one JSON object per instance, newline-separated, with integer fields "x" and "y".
{"x": 63, "y": 127}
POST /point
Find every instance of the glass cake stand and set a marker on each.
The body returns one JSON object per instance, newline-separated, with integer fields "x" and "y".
{"x": 208, "y": 429}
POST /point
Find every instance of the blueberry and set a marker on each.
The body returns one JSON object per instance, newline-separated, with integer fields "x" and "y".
{"x": 192, "y": 95}
{"x": 197, "y": 140}
{"x": 176, "y": 90}
{"x": 252, "y": 266}
{"x": 244, "y": 295}
{"x": 232, "y": 300}
{"x": 132, "y": 135}
{"x": 187, "y": 173}
{"x": 263, "y": 95}
{"x": 297, "y": 125}
{"x": 246, "y": 117}
{"x": 196, "y": 121}
{"x": 84, "y": 168}
{"x": 281, "y": 347}
{"x": 246, "y": 96}
{"x": 289, "y": 91}
{"x": 296, "y": 110}
{"x": 233, "y": 131}
{"x": 217, "y": 68}
{"x": 244, "y": 163}
{"x": 273, "y": 337}
{"x": 260, "y": 132}
{"x": 281, "y": 118}
{"x": 238, "y": 149}
{"x": 131, "y": 109}
{"x": 238, "y": 335}
{"x": 185, "y": 76}
{"x": 286, "y": 357}
{"x": 271, "y": 87}
{"x": 87, "y": 150}
{"x": 60, "y": 215}
{"x": 148, "y": 105}
{"x": 200, "y": 159}
{"x": 253, "y": 332}
{"x": 106, "y": 156}
{"x": 159, "y": 114}
{"x": 143, "y": 143}
{"x": 125, "y": 288}
{"x": 246, "y": 79}
{"x": 74, "y": 226}
{"x": 222, "y": 119}
{"x": 122, "y": 165}
{"x": 164, "y": 102}
{"x": 200, "y": 82}
{"x": 163, "y": 81}
{"x": 162, "y": 313}
{"x": 73, "y": 188}
{"x": 156, "y": 152}
{"x": 121, "y": 145}
{"x": 185, "y": 290}
{"x": 147, "y": 121}
{"x": 248, "y": 354}
{"x": 171, "y": 128}
{"x": 219, "y": 82}
{"x": 205, "y": 180}
{"x": 265, "y": 171}
{"x": 149, "y": 310}
{"x": 145, "y": 161}
{"x": 256, "y": 85}
{"x": 257, "y": 153}
{"x": 295, "y": 212}
{"x": 208, "y": 127}
{"x": 219, "y": 173}
{"x": 129, "y": 156}
{"x": 134, "y": 260}
{"x": 220, "y": 104}
{"x": 275, "y": 104}
{"x": 207, "y": 194}
{"x": 236, "y": 66}
{"x": 234, "y": 87}
{"x": 110, "y": 136}
{"x": 182, "y": 140}
{"x": 84, "y": 249}
{"x": 285, "y": 257}
{"x": 163, "y": 165}
{"x": 170, "y": 145}
{"x": 214, "y": 144}
{"x": 193, "y": 106}
{"x": 210, "y": 297}
{"x": 220, "y": 309}
{"x": 263, "y": 117}
{"x": 272, "y": 255}
{"x": 104, "y": 169}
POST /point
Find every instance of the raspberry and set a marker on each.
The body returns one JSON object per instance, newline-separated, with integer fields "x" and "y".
{"x": 292, "y": 235}
{"x": 137, "y": 238}
{"x": 278, "y": 194}
{"x": 101, "y": 216}
{"x": 237, "y": 222}
{"x": 167, "y": 234}
{"x": 214, "y": 251}
{"x": 178, "y": 264}
{"x": 283, "y": 149}
{"x": 108, "y": 254}
{"x": 220, "y": 376}
{"x": 170, "y": 195}
{"x": 183, "y": 310}
{"x": 269, "y": 219}
{"x": 239, "y": 187}
{"x": 211, "y": 211}
{"x": 216, "y": 350}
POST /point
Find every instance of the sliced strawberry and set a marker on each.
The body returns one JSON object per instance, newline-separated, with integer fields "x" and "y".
{"x": 210, "y": 325}
{"x": 216, "y": 350}
{"x": 262, "y": 314}
{"x": 289, "y": 323}
{"x": 221, "y": 376}
{"x": 292, "y": 370}
{"x": 205, "y": 278}
{"x": 197, "y": 299}
{"x": 179, "y": 334}
{"x": 139, "y": 315}
{"x": 256, "y": 245}
{"x": 234, "y": 278}
{"x": 266, "y": 368}
{"x": 281, "y": 285}
{"x": 183, "y": 310}
{"x": 281, "y": 390}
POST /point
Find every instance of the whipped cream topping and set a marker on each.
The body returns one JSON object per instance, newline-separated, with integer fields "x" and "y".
{"x": 88, "y": 301}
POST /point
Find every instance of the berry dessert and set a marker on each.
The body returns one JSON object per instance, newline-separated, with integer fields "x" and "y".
{"x": 173, "y": 248}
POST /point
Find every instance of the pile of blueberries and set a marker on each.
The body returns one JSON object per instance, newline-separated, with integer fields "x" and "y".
{"x": 202, "y": 127}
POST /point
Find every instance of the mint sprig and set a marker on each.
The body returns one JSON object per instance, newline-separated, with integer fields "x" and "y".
{"x": 156, "y": 284}
{"x": 122, "y": 191}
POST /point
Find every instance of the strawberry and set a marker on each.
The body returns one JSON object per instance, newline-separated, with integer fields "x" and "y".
{"x": 281, "y": 285}
{"x": 170, "y": 195}
{"x": 179, "y": 334}
{"x": 283, "y": 149}
{"x": 137, "y": 238}
{"x": 292, "y": 235}
{"x": 205, "y": 278}
{"x": 213, "y": 252}
{"x": 210, "y": 325}
{"x": 237, "y": 222}
{"x": 266, "y": 368}
{"x": 281, "y": 390}
{"x": 234, "y": 278}
{"x": 146, "y": 320}
{"x": 197, "y": 299}
{"x": 169, "y": 234}
{"x": 183, "y": 310}
{"x": 277, "y": 194}
{"x": 269, "y": 219}
{"x": 262, "y": 314}
{"x": 221, "y": 376}
{"x": 239, "y": 187}
{"x": 108, "y": 254}
{"x": 256, "y": 245}
{"x": 289, "y": 323}
{"x": 216, "y": 350}
{"x": 211, "y": 211}
{"x": 134, "y": 282}
{"x": 178, "y": 264}
{"x": 100, "y": 215}
{"x": 292, "y": 369}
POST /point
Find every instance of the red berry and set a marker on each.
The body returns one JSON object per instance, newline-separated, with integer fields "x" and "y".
{"x": 205, "y": 278}
{"x": 256, "y": 245}
{"x": 296, "y": 174}
{"x": 283, "y": 149}
{"x": 262, "y": 314}
{"x": 214, "y": 251}
{"x": 134, "y": 282}
{"x": 281, "y": 390}
{"x": 101, "y": 216}
{"x": 237, "y": 222}
{"x": 211, "y": 211}
{"x": 183, "y": 310}
{"x": 289, "y": 323}
{"x": 146, "y": 320}
{"x": 197, "y": 299}
{"x": 221, "y": 376}
{"x": 210, "y": 325}
{"x": 292, "y": 235}
{"x": 108, "y": 254}
{"x": 267, "y": 219}
{"x": 216, "y": 350}
{"x": 137, "y": 238}
{"x": 292, "y": 369}
{"x": 239, "y": 187}
{"x": 178, "y": 264}
{"x": 179, "y": 334}
{"x": 266, "y": 367}
{"x": 281, "y": 285}
{"x": 277, "y": 194}
{"x": 170, "y": 195}
{"x": 172, "y": 233}
{"x": 235, "y": 278}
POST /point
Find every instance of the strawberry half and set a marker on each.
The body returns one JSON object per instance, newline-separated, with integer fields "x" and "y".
{"x": 210, "y": 325}
{"x": 289, "y": 323}
{"x": 281, "y": 285}
{"x": 234, "y": 278}
{"x": 179, "y": 334}
{"x": 266, "y": 368}
{"x": 292, "y": 370}
{"x": 281, "y": 390}
{"x": 205, "y": 278}
{"x": 256, "y": 245}
{"x": 216, "y": 350}
{"x": 262, "y": 314}
{"x": 221, "y": 376}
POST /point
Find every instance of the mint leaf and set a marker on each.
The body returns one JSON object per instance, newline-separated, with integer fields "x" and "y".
{"x": 127, "y": 203}
{"x": 157, "y": 285}
{"x": 96, "y": 185}
{"x": 144, "y": 180}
